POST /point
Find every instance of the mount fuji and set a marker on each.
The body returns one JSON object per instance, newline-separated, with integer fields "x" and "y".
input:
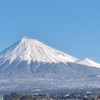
{"x": 30, "y": 65}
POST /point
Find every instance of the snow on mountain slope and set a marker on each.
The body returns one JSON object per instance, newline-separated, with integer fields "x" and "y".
{"x": 88, "y": 62}
{"x": 32, "y": 50}
{"x": 30, "y": 64}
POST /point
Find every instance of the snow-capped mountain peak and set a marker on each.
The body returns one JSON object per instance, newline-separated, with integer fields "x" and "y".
{"x": 31, "y": 65}
{"x": 27, "y": 49}
{"x": 88, "y": 62}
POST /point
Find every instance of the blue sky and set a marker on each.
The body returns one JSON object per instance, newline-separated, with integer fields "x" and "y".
{"x": 72, "y": 26}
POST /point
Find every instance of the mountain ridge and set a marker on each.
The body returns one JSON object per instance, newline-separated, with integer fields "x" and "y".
{"x": 30, "y": 64}
{"x": 26, "y": 42}
{"x": 27, "y": 48}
